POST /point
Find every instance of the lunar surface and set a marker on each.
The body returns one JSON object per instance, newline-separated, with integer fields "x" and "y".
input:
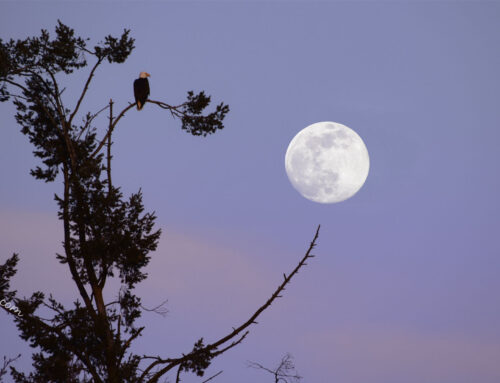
{"x": 327, "y": 162}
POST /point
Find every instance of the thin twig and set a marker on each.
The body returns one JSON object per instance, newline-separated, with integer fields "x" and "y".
{"x": 86, "y": 87}
{"x": 6, "y": 363}
{"x": 128, "y": 342}
{"x": 178, "y": 377}
{"x": 101, "y": 144}
{"x": 159, "y": 309}
{"x": 171, "y": 363}
{"x": 213, "y": 376}
{"x": 174, "y": 110}
{"x": 90, "y": 118}
{"x": 285, "y": 372}
{"x": 108, "y": 169}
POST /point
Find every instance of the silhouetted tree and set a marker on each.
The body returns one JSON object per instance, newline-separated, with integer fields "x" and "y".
{"x": 105, "y": 234}
{"x": 284, "y": 372}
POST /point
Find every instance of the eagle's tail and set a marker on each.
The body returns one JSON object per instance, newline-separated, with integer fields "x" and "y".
{"x": 139, "y": 105}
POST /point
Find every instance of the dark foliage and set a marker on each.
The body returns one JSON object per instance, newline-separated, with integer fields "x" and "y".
{"x": 105, "y": 234}
{"x": 196, "y": 124}
{"x": 200, "y": 361}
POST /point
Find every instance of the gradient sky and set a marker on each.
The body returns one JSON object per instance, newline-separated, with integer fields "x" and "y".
{"x": 405, "y": 287}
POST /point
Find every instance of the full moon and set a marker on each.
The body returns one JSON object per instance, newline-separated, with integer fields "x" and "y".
{"x": 327, "y": 162}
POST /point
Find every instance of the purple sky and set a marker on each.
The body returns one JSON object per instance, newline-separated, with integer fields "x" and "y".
{"x": 405, "y": 286}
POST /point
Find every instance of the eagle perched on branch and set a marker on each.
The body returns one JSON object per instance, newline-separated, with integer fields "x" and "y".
{"x": 141, "y": 89}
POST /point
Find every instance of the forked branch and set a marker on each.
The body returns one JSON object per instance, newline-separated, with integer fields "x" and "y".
{"x": 110, "y": 129}
{"x": 211, "y": 349}
{"x": 5, "y": 366}
{"x": 285, "y": 372}
{"x": 84, "y": 91}
{"x": 158, "y": 309}
{"x": 174, "y": 110}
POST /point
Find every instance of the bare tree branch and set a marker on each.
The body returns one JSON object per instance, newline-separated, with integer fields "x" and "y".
{"x": 212, "y": 348}
{"x": 103, "y": 141}
{"x": 285, "y": 372}
{"x": 260, "y": 367}
{"x": 212, "y": 377}
{"x": 174, "y": 110}
{"x": 108, "y": 156}
{"x": 85, "y": 88}
{"x": 235, "y": 343}
{"x": 178, "y": 376}
{"x": 159, "y": 309}
{"x": 6, "y": 363}
{"x": 126, "y": 345}
{"x": 88, "y": 120}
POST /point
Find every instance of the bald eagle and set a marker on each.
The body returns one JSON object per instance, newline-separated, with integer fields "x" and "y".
{"x": 141, "y": 90}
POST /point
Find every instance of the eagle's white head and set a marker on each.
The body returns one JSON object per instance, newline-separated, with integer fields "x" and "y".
{"x": 144, "y": 75}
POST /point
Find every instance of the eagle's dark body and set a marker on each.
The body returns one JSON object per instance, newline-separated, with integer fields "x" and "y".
{"x": 141, "y": 92}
